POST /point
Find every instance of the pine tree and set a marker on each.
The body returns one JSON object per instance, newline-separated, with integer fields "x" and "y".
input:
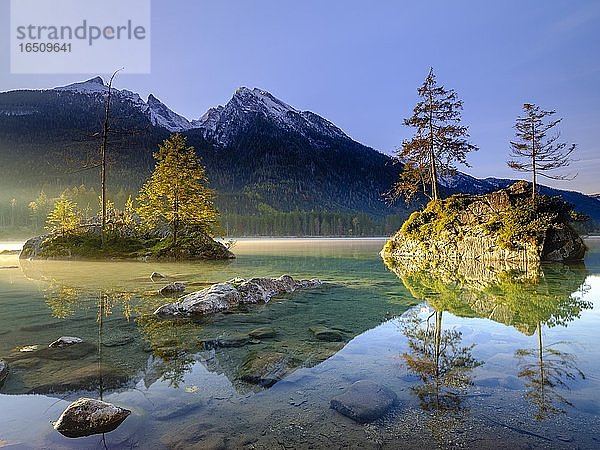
{"x": 438, "y": 143}
{"x": 177, "y": 194}
{"x": 64, "y": 218}
{"x": 536, "y": 150}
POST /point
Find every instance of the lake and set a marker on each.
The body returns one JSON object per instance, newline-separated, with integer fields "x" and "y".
{"x": 478, "y": 356}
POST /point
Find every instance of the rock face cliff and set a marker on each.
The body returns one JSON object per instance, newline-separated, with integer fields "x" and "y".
{"x": 506, "y": 225}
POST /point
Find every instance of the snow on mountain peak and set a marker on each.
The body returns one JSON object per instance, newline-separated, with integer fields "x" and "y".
{"x": 160, "y": 115}
{"x": 91, "y": 86}
{"x": 258, "y": 97}
{"x": 223, "y": 122}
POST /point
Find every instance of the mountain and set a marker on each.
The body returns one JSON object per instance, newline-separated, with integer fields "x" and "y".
{"x": 267, "y": 160}
{"x": 156, "y": 111}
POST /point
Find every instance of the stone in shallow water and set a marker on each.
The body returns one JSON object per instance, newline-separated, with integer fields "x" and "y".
{"x": 87, "y": 416}
{"x": 66, "y": 353}
{"x": 327, "y": 334}
{"x": 364, "y": 401}
{"x": 3, "y": 371}
{"x": 226, "y": 296}
{"x": 86, "y": 378}
{"x": 157, "y": 275}
{"x": 117, "y": 341}
{"x": 264, "y": 368}
{"x": 234, "y": 340}
{"x": 262, "y": 333}
{"x": 173, "y": 288}
{"x": 177, "y": 407}
{"x": 65, "y": 341}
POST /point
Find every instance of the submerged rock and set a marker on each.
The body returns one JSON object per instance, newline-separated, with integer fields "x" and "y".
{"x": 364, "y": 401}
{"x": 172, "y": 408}
{"x": 87, "y": 378}
{"x": 262, "y": 333}
{"x": 234, "y": 340}
{"x": 3, "y": 372}
{"x": 87, "y": 416}
{"x": 74, "y": 351}
{"x": 155, "y": 275}
{"x": 323, "y": 333}
{"x": 264, "y": 368}
{"x": 65, "y": 341}
{"x": 172, "y": 288}
{"x": 506, "y": 225}
{"x": 224, "y": 296}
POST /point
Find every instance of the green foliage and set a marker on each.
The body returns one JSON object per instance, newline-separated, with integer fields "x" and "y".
{"x": 64, "y": 218}
{"x": 176, "y": 195}
{"x": 438, "y": 216}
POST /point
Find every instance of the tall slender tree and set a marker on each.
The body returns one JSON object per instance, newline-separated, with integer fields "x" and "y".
{"x": 439, "y": 141}
{"x": 537, "y": 149}
{"x": 177, "y": 194}
{"x": 105, "y": 131}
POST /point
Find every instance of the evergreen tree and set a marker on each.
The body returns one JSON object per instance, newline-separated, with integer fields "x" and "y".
{"x": 64, "y": 218}
{"x": 438, "y": 143}
{"x": 536, "y": 150}
{"x": 176, "y": 193}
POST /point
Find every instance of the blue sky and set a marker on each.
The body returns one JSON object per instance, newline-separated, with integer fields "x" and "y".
{"x": 359, "y": 63}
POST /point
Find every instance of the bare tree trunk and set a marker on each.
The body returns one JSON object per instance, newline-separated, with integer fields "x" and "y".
{"x": 438, "y": 341}
{"x": 103, "y": 155}
{"x": 533, "y": 157}
{"x": 541, "y": 361}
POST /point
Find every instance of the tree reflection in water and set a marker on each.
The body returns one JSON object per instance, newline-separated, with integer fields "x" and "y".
{"x": 547, "y": 371}
{"x": 529, "y": 298}
{"x": 443, "y": 366}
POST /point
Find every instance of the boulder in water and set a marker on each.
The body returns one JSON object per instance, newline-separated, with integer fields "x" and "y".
{"x": 224, "y": 296}
{"x": 87, "y": 416}
{"x": 364, "y": 401}
{"x": 173, "y": 288}
{"x": 65, "y": 341}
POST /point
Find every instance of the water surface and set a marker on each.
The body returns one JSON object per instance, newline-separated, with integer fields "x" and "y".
{"x": 478, "y": 356}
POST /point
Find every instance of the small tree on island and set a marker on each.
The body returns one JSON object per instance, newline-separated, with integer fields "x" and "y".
{"x": 438, "y": 143}
{"x": 64, "y": 218}
{"x": 536, "y": 150}
{"x": 176, "y": 193}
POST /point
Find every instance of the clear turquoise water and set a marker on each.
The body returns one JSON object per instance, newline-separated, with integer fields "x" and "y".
{"x": 482, "y": 391}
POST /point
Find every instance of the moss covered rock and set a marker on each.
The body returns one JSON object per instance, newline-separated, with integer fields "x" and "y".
{"x": 501, "y": 226}
{"x": 88, "y": 245}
